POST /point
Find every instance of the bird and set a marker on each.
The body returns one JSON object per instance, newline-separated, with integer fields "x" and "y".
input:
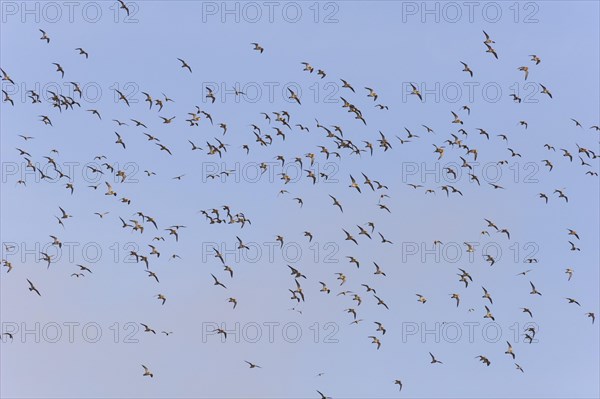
{"x": 488, "y": 314}
{"x": 354, "y": 260}
{"x": 561, "y": 194}
{"x": 217, "y": 282}
{"x": 488, "y": 40}
{"x": 5, "y": 76}
{"x": 252, "y": 365}
{"x": 336, "y": 203}
{"x": 569, "y": 272}
{"x": 576, "y": 123}
{"x": 44, "y": 36}
{"x": 548, "y": 164}
{"x": 399, "y": 383}
{"x": 349, "y": 237}
{"x": 375, "y": 341}
{"x": 509, "y": 351}
{"x": 120, "y": 140}
{"x": 295, "y": 272}
{"x": 241, "y": 245}
{"x": 519, "y": 368}
{"x": 95, "y": 112}
{"x": 380, "y": 327}
{"x": 525, "y": 70}
{"x": 457, "y": 297}
{"x": 122, "y": 97}
{"x": 341, "y": 277}
{"x": 384, "y": 240}
{"x": 294, "y": 96}
{"x": 232, "y": 300}
{"x": 185, "y": 65}
{"x": 148, "y": 329}
{"x": 372, "y": 93}
{"x": 59, "y": 68}
{"x": 323, "y": 396}
{"x": 534, "y": 291}
{"x": 467, "y": 69}
{"x": 470, "y": 247}
{"x": 433, "y": 359}
{"x": 84, "y": 268}
{"x": 526, "y": 310}
{"x": 307, "y": 67}
{"x": 324, "y": 288}
{"x": 258, "y": 47}
{"x": 167, "y": 120}
{"x": 573, "y": 233}
{"x": 483, "y": 359}
{"x": 347, "y": 85}
{"x": 592, "y": 316}
{"x": 147, "y": 372}
{"x": 571, "y": 300}
{"x": 415, "y": 91}
{"x": 152, "y": 274}
{"x": 8, "y": 99}
{"x": 123, "y": 6}
{"x": 82, "y": 52}
{"x": 378, "y": 270}
{"x": 362, "y": 231}
{"x": 545, "y": 91}
{"x": 456, "y": 118}
{"x": 33, "y": 288}
{"x": 491, "y": 50}
{"x": 573, "y": 247}
{"x": 381, "y": 302}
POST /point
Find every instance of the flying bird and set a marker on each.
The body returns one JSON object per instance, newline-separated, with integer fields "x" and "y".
{"x": 32, "y": 288}
{"x": 185, "y": 65}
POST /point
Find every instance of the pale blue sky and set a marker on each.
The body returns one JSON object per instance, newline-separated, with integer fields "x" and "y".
{"x": 383, "y": 45}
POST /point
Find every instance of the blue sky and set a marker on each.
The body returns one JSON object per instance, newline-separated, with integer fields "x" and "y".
{"x": 382, "y": 45}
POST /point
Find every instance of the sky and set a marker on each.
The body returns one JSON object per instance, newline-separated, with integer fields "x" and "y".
{"x": 82, "y": 337}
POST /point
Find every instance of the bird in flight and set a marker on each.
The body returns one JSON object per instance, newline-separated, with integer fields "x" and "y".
{"x": 147, "y": 372}
{"x": 45, "y": 36}
{"x": 217, "y": 282}
{"x": 258, "y": 47}
{"x": 32, "y": 287}
{"x": 185, "y": 65}
{"x": 82, "y": 52}
{"x": 534, "y": 291}
{"x": 433, "y": 359}
{"x": 399, "y": 383}
{"x": 123, "y": 6}
{"x": 467, "y": 69}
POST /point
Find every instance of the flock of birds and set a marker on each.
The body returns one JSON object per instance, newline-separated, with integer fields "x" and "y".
{"x": 270, "y": 130}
